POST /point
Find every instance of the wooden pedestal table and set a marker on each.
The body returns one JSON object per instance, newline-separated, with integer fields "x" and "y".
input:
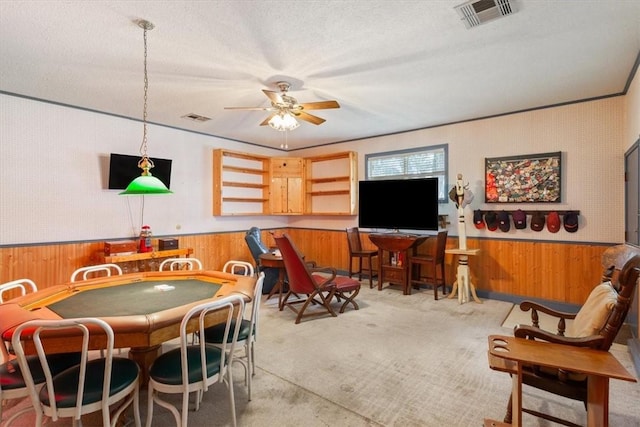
{"x": 509, "y": 354}
{"x": 463, "y": 285}
{"x": 270, "y": 260}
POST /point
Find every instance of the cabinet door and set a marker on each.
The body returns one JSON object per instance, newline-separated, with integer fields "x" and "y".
{"x": 294, "y": 195}
{"x": 278, "y": 195}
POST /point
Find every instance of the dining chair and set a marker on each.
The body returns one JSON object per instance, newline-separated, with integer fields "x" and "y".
{"x": 193, "y": 368}
{"x": 433, "y": 274}
{"x": 180, "y": 264}
{"x": 86, "y": 387}
{"x": 357, "y": 251}
{"x": 247, "y": 336}
{"x": 243, "y": 268}
{"x": 23, "y": 285}
{"x": 96, "y": 270}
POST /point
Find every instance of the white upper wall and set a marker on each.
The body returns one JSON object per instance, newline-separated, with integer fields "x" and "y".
{"x": 54, "y": 167}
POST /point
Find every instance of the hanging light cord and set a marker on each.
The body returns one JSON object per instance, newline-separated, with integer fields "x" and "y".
{"x": 145, "y": 162}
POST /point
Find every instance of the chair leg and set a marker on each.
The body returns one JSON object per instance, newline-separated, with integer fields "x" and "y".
{"x": 349, "y": 299}
{"x": 370, "y": 272}
{"x": 350, "y": 266}
{"x": 509, "y": 415}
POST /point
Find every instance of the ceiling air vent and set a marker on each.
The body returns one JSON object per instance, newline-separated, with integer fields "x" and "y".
{"x": 196, "y": 117}
{"x": 474, "y": 13}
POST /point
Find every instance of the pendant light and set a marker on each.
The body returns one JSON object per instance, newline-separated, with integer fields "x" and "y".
{"x": 146, "y": 183}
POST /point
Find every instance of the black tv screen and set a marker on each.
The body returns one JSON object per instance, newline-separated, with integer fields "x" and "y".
{"x": 409, "y": 204}
{"x": 124, "y": 168}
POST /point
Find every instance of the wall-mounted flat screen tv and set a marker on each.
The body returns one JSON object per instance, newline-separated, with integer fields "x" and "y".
{"x": 408, "y": 204}
{"x": 124, "y": 168}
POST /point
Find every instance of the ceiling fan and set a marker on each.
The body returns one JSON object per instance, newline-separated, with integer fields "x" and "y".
{"x": 281, "y": 104}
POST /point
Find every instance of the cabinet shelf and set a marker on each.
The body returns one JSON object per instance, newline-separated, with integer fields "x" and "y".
{"x": 243, "y": 184}
{"x": 170, "y": 253}
{"x": 244, "y": 170}
{"x": 329, "y": 179}
{"x": 244, "y": 199}
{"x": 328, "y": 193}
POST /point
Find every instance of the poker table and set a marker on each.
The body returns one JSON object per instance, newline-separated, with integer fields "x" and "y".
{"x": 144, "y": 309}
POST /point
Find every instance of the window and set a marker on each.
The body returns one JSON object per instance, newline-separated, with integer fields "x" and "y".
{"x": 423, "y": 162}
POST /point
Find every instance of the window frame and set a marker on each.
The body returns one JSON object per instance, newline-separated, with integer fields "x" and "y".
{"x": 408, "y": 152}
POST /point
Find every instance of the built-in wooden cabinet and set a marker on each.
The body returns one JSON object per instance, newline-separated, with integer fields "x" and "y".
{"x": 287, "y": 189}
{"x": 331, "y": 184}
{"x": 241, "y": 184}
{"x": 247, "y": 184}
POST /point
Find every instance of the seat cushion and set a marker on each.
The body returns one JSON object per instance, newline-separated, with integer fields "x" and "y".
{"x": 167, "y": 368}
{"x": 346, "y": 284}
{"x": 215, "y": 333}
{"x": 11, "y": 375}
{"x": 123, "y": 373}
{"x": 595, "y": 311}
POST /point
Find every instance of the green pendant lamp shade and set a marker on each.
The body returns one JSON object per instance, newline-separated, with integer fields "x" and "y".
{"x": 146, "y": 183}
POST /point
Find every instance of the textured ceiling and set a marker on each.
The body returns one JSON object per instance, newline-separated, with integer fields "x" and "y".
{"x": 392, "y": 65}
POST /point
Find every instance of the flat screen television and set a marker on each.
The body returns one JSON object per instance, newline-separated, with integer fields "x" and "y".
{"x": 124, "y": 168}
{"x": 408, "y": 204}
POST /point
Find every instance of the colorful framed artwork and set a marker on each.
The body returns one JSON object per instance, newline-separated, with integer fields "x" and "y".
{"x": 532, "y": 178}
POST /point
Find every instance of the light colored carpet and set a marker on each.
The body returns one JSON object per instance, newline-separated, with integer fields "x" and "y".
{"x": 398, "y": 361}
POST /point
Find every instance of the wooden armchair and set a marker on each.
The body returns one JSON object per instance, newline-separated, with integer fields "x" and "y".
{"x": 595, "y": 326}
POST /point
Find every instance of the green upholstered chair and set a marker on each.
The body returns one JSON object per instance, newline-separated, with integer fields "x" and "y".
{"x": 246, "y": 336}
{"x": 89, "y": 386}
{"x": 193, "y": 368}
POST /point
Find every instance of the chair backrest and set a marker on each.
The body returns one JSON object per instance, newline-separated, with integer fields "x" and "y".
{"x": 95, "y": 271}
{"x": 606, "y": 308}
{"x": 171, "y": 264}
{"x": 255, "y": 306}
{"x": 254, "y": 241}
{"x": 353, "y": 238}
{"x": 234, "y": 305}
{"x": 37, "y": 329}
{"x": 441, "y": 245}
{"x": 300, "y": 279}
{"x": 24, "y": 285}
{"x": 243, "y": 268}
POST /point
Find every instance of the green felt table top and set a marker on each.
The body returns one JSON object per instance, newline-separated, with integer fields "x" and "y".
{"x": 137, "y": 298}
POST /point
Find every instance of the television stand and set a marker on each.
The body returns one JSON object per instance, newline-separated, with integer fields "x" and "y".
{"x": 397, "y": 247}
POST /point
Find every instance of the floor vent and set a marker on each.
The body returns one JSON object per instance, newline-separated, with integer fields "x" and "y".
{"x": 474, "y": 13}
{"x": 196, "y": 117}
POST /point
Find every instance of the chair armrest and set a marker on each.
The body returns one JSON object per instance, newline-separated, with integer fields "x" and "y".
{"x": 531, "y": 332}
{"x": 530, "y": 305}
{"x": 332, "y": 271}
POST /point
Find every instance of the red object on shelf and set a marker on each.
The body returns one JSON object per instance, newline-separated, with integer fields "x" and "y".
{"x": 145, "y": 240}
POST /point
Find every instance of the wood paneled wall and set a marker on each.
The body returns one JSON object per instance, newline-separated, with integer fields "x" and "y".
{"x": 563, "y": 272}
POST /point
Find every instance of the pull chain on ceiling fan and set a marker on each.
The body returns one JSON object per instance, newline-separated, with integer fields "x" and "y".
{"x": 285, "y": 109}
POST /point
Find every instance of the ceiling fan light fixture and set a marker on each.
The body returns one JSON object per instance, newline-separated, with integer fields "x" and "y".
{"x": 283, "y": 122}
{"x": 145, "y": 183}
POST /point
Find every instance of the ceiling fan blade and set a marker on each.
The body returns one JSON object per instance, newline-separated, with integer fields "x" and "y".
{"x": 266, "y": 121}
{"x": 275, "y": 97}
{"x": 321, "y": 105}
{"x": 310, "y": 118}
{"x": 249, "y": 108}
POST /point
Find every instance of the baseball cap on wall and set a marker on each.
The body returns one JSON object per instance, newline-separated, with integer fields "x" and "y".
{"x": 477, "y": 219}
{"x": 571, "y": 222}
{"x": 553, "y": 222}
{"x": 519, "y": 219}
{"x": 537, "y": 221}
{"x": 503, "y": 221}
{"x": 492, "y": 220}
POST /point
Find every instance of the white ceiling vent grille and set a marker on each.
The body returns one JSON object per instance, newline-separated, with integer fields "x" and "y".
{"x": 474, "y": 13}
{"x": 196, "y": 117}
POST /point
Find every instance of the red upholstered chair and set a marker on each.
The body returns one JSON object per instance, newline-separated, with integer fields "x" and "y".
{"x": 319, "y": 289}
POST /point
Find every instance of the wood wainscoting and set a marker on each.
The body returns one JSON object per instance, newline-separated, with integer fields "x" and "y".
{"x": 556, "y": 271}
